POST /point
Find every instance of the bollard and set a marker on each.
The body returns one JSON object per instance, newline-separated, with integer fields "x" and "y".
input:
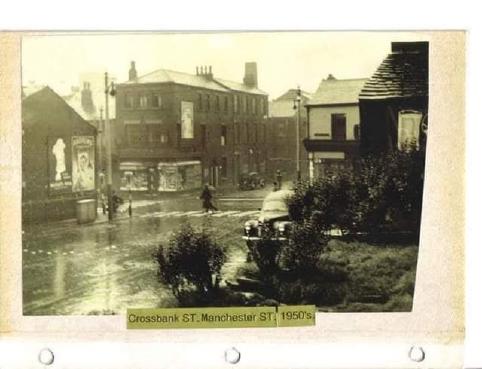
{"x": 130, "y": 203}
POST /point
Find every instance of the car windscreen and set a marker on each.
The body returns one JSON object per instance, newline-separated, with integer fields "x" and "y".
{"x": 278, "y": 205}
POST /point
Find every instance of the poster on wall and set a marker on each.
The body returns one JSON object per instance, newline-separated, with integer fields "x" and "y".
{"x": 184, "y": 175}
{"x": 409, "y": 129}
{"x": 187, "y": 119}
{"x": 134, "y": 180}
{"x": 83, "y": 163}
{"x": 169, "y": 178}
{"x": 60, "y": 178}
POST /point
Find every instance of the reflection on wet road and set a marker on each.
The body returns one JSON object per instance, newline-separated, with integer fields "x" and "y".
{"x": 104, "y": 268}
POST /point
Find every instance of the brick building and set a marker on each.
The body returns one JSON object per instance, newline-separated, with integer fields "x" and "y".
{"x": 59, "y": 163}
{"x": 282, "y": 135}
{"x": 179, "y": 130}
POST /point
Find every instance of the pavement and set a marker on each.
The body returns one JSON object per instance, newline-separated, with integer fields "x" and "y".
{"x": 105, "y": 267}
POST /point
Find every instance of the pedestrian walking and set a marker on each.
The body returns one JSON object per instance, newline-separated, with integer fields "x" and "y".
{"x": 279, "y": 178}
{"x": 206, "y": 197}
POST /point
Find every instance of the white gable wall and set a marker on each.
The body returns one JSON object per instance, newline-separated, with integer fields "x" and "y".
{"x": 320, "y": 120}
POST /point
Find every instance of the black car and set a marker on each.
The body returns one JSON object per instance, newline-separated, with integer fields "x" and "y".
{"x": 251, "y": 181}
{"x": 273, "y": 221}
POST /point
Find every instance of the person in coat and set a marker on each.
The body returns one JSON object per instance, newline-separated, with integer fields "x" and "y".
{"x": 206, "y": 197}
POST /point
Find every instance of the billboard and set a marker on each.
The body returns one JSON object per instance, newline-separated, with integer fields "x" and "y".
{"x": 60, "y": 178}
{"x": 187, "y": 119}
{"x": 83, "y": 163}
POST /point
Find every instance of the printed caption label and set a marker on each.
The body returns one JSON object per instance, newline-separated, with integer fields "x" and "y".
{"x": 229, "y": 317}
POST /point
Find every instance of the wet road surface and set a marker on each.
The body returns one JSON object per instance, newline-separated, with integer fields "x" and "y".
{"x": 104, "y": 268}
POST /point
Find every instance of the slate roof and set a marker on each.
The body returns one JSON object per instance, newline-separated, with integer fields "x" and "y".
{"x": 292, "y": 93}
{"x": 401, "y": 74}
{"x": 30, "y": 89}
{"x": 45, "y": 96}
{"x": 98, "y": 98}
{"x": 236, "y": 86}
{"x": 216, "y": 84}
{"x": 337, "y": 91}
{"x": 165, "y": 75}
{"x": 283, "y": 105}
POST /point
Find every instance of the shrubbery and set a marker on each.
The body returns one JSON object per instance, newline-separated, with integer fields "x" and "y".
{"x": 191, "y": 265}
{"x": 381, "y": 194}
{"x": 266, "y": 251}
{"x": 303, "y": 248}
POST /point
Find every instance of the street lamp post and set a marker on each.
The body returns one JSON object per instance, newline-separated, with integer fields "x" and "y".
{"x": 297, "y": 106}
{"x": 109, "y": 90}
{"x": 100, "y": 131}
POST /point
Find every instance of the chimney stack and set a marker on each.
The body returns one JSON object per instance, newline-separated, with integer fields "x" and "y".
{"x": 133, "y": 71}
{"x": 206, "y": 72}
{"x": 410, "y": 47}
{"x": 251, "y": 74}
{"x": 86, "y": 98}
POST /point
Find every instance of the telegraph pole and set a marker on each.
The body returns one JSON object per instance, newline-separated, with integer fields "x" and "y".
{"x": 108, "y": 146}
{"x": 298, "y": 116}
{"x": 101, "y": 138}
{"x": 100, "y": 131}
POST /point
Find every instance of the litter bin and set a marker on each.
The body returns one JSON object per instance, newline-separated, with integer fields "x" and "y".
{"x": 86, "y": 211}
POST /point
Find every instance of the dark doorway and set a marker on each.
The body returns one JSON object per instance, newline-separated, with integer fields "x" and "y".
{"x": 338, "y": 127}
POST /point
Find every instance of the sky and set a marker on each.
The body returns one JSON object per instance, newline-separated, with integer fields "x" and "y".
{"x": 285, "y": 59}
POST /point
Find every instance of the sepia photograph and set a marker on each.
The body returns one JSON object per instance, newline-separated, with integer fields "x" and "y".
{"x": 222, "y": 169}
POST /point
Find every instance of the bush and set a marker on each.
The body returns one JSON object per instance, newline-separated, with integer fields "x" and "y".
{"x": 266, "y": 251}
{"x": 382, "y": 193}
{"x": 265, "y": 254}
{"x": 389, "y": 191}
{"x": 191, "y": 265}
{"x": 304, "y": 247}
